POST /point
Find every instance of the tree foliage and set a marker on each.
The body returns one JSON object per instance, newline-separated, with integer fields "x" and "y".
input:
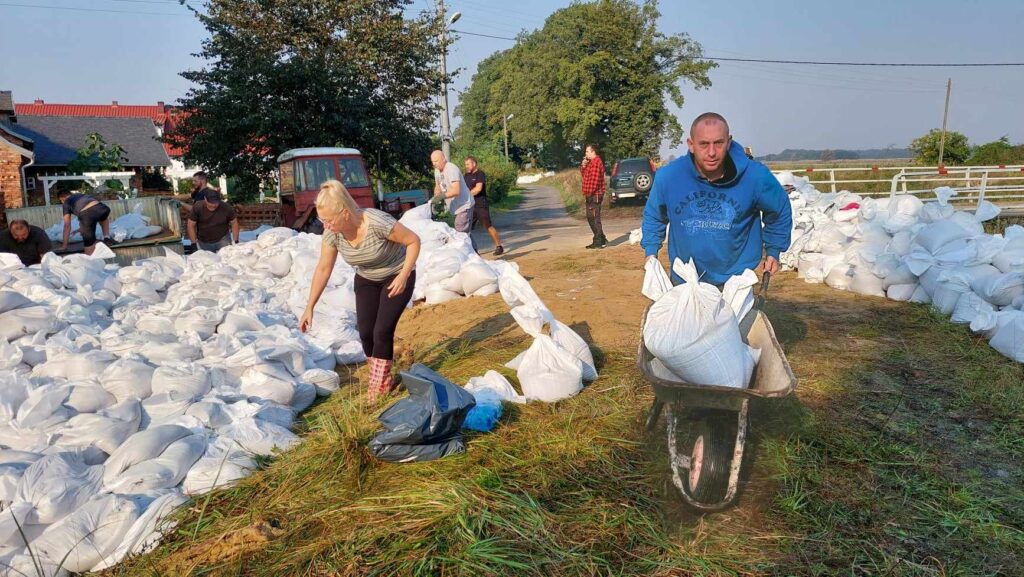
{"x": 283, "y": 74}
{"x": 596, "y": 72}
{"x": 926, "y": 148}
{"x": 997, "y": 152}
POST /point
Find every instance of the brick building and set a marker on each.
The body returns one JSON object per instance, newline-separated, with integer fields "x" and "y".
{"x": 16, "y": 152}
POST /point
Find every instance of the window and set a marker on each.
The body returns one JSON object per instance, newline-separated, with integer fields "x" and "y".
{"x": 30, "y": 184}
{"x": 353, "y": 175}
{"x": 317, "y": 171}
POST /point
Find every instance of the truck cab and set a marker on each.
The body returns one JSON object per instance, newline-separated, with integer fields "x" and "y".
{"x": 301, "y": 171}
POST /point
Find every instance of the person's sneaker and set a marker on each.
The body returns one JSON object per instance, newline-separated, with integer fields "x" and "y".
{"x": 593, "y": 245}
{"x": 499, "y": 251}
{"x": 109, "y": 242}
{"x": 602, "y": 243}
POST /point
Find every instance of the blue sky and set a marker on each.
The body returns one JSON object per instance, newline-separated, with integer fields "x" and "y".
{"x": 133, "y": 53}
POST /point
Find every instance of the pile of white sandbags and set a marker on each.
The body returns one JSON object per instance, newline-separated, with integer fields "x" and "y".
{"x": 125, "y": 389}
{"x": 907, "y": 249}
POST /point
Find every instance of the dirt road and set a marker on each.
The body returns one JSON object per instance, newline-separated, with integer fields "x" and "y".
{"x": 540, "y": 224}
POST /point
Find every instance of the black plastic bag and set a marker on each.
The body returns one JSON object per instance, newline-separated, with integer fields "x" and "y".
{"x": 426, "y": 425}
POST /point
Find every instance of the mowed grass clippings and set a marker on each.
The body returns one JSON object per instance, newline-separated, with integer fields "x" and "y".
{"x": 899, "y": 455}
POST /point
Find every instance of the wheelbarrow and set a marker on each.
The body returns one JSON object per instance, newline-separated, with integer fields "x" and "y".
{"x": 706, "y": 464}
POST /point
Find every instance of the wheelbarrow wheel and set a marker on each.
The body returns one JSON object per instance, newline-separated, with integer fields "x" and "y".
{"x": 711, "y": 457}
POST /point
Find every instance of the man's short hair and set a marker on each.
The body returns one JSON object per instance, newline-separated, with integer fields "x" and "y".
{"x": 709, "y": 116}
{"x": 592, "y": 147}
{"x": 201, "y": 175}
{"x": 473, "y": 158}
{"x": 19, "y": 222}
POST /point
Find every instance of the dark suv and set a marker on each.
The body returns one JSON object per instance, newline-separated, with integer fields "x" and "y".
{"x": 631, "y": 178}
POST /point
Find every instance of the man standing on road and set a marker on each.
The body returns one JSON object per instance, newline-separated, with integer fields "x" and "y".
{"x": 209, "y": 223}
{"x": 726, "y": 211}
{"x": 592, "y": 172}
{"x": 448, "y": 182}
{"x": 29, "y": 242}
{"x": 476, "y": 180}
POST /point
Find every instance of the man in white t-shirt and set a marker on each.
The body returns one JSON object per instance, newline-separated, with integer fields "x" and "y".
{"x": 458, "y": 199}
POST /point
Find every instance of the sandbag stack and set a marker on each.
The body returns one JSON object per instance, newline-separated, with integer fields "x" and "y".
{"x": 907, "y": 249}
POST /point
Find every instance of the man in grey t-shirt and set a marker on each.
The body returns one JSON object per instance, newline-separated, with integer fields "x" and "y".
{"x": 448, "y": 181}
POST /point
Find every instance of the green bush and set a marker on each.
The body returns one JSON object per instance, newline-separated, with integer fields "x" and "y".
{"x": 501, "y": 178}
{"x": 184, "y": 186}
{"x": 996, "y": 153}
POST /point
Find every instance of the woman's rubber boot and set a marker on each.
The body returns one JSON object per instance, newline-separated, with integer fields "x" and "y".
{"x": 387, "y": 383}
{"x": 374, "y": 382}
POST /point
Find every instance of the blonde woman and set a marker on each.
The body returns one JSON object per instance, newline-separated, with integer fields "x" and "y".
{"x": 384, "y": 253}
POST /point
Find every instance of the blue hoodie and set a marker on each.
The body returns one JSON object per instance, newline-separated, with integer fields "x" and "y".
{"x": 719, "y": 225}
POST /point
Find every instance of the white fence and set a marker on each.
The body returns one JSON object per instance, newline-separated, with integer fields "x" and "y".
{"x": 1001, "y": 184}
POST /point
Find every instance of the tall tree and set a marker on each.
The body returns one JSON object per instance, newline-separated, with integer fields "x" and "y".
{"x": 283, "y": 74}
{"x": 596, "y": 72}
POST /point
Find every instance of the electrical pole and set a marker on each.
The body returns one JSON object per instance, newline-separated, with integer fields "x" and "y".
{"x": 445, "y": 128}
{"x": 945, "y": 116}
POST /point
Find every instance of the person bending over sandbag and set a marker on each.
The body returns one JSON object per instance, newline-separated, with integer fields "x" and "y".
{"x": 726, "y": 211}
{"x": 384, "y": 253}
{"x": 90, "y": 212}
{"x": 27, "y": 241}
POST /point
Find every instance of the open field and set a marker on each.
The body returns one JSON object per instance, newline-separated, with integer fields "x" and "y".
{"x": 900, "y": 454}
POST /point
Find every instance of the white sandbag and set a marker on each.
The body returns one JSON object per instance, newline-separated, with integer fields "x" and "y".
{"x": 128, "y": 378}
{"x": 82, "y": 539}
{"x": 937, "y": 235}
{"x": 968, "y": 307}
{"x": 259, "y": 436}
{"x": 147, "y": 530}
{"x": 903, "y": 212}
{"x": 326, "y": 382}
{"x": 901, "y": 292}
{"x": 839, "y": 277}
{"x": 28, "y": 321}
{"x": 56, "y": 485}
{"x": 656, "y": 281}
{"x": 486, "y": 290}
{"x": 163, "y": 471}
{"x": 951, "y": 285}
{"x": 141, "y": 447}
{"x": 987, "y": 323}
{"x": 515, "y": 290}
{"x": 223, "y": 463}
{"x": 44, "y": 409}
{"x": 189, "y": 380}
{"x": 532, "y": 319}
{"x": 11, "y": 301}
{"x": 548, "y": 372}
{"x": 203, "y": 320}
{"x": 210, "y": 412}
{"x": 476, "y": 275}
{"x": 1009, "y": 339}
{"x": 864, "y": 282}
{"x": 696, "y": 335}
{"x": 453, "y": 284}
{"x": 280, "y": 264}
{"x": 495, "y": 384}
{"x": 1000, "y": 289}
{"x": 350, "y": 353}
{"x": 106, "y": 429}
{"x": 236, "y": 322}
{"x": 436, "y": 295}
{"x": 169, "y": 353}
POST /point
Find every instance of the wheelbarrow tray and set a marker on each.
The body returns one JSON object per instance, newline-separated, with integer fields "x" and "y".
{"x": 772, "y": 377}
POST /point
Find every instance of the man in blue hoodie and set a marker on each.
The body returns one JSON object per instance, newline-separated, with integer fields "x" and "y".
{"x": 726, "y": 211}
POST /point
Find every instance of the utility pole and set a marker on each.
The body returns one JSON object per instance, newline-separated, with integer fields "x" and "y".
{"x": 945, "y": 116}
{"x": 445, "y": 128}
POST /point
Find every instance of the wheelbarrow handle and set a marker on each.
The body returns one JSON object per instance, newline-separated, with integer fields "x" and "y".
{"x": 762, "y": 295}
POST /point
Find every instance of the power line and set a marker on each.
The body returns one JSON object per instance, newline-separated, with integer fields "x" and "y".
{"x": 813, "y": 62}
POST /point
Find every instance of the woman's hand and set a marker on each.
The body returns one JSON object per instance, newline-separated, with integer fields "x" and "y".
{"x": 397, "y": 286}
{"x": 306, "y": 322}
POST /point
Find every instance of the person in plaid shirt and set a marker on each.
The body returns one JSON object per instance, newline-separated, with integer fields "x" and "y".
{"x": 592, "y": 171}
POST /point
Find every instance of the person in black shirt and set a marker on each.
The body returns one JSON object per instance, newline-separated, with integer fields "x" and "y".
{"x": 29, "y": 242}
{"x": 90, "y": 212}
{"x": 212, "y": 223}
{"x": 200, "y": 188}
{"x": 476, "y": 180}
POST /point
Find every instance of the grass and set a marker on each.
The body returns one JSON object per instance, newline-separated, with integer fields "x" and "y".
{"x": 568, "y": 183}
{"x": 511, "y": 201}
{"x": 899, "y": 455}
